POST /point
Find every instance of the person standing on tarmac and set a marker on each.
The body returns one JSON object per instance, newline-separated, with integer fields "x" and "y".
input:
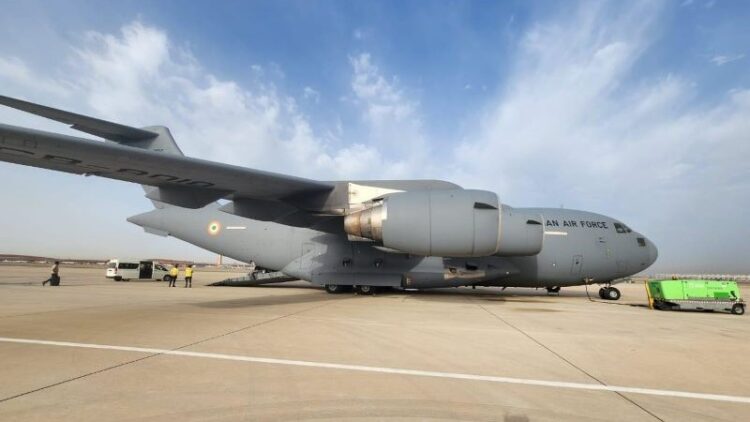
{"x": 54, "y": 279}
{"x": 173, "y": 273}
{"x": 189, "y": 276}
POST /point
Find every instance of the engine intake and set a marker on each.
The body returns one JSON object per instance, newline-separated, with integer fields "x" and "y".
{"x": 452, "y": 223}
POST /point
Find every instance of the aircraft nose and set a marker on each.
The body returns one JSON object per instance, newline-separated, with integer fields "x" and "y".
{"x": 653, "y": 252}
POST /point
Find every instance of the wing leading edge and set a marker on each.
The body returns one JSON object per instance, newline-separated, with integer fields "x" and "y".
{"x": 146, "y": 156}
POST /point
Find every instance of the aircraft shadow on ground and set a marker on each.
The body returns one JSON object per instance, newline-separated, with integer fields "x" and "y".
{"x": 517, "y": 295}
{"x": 311, "y": 296}
{"x": 270, "y": 300}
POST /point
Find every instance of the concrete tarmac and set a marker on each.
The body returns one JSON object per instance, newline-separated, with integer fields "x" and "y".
{"x": 141, "y": 350}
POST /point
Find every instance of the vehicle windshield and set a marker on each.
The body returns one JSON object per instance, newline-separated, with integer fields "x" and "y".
{"x": 111, "y": 264}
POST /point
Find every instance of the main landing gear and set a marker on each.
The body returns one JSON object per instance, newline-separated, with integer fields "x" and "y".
{"x": 553, "y": 290}
{"x": 609, "y": 293}
{"x": 337, "y": 288}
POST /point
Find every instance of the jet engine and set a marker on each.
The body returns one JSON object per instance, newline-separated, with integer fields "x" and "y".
{"x": 451, "y": 223}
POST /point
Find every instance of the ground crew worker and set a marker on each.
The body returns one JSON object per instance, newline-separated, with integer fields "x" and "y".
{"x": 54, "y": 279}
{"x": 173, "y": 272}
{"x": 189, "y": 276}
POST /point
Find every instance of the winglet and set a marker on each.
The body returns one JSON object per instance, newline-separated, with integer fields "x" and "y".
{"x": 91, "y": 125}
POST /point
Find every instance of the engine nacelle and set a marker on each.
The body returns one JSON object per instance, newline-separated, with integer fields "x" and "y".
{"x": 452, "y": 223}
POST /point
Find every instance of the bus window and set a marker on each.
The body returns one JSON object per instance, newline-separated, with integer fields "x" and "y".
{"x": 127, "y": 266}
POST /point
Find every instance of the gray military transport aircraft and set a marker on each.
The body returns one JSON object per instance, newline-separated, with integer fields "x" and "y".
{"x": 344, "y": 235}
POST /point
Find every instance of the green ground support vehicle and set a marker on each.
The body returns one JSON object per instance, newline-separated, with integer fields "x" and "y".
{"x": 698, "y": 295}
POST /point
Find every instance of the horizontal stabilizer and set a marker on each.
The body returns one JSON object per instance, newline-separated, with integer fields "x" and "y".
{"x": 91, "y": 125}
{"x": 157, "y": 232}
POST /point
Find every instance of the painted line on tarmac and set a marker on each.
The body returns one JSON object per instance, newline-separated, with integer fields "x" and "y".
{"x": 397, "y": 371}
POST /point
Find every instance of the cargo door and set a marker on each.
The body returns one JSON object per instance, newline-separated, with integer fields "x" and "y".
{"x": 575, "y": 268}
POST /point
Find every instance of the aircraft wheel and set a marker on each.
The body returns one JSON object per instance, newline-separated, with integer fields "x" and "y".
{"x": 602, "y": 293}
{"x": 366, "y": 290}
{"x": 612, "y": 293}
{"x": 738, "y": 309}
{"x": 334, "y": 289}
{"x": 553, "y": 289}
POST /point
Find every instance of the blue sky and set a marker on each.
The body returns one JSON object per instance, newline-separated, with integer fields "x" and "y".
{"x": 638, "y": 110}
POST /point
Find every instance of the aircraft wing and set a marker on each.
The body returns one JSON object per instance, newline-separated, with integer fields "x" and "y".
{"x": 184, "y": 181}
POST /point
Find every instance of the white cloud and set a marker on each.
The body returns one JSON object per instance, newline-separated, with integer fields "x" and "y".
{"x": 393, "y": 123}
{"x": 383, "y": 100}
{"x": 16, "y": 73}
{"x": 140, "y": 77}
{"x": 569, "y": 129}
{"x": 720, "y": 60}
{"x": 311, "y": 94}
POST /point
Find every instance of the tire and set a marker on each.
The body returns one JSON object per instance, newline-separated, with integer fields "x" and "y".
{"x": 118, "y": 278}
{"x": 553, "y": 289}
{"x": 366, "y": 290}
{"x": 612, "y": 294}
{"x": 166, "y": 278}
{"x": 738, "y": 309}
{"x": 334, "y": 289}
{"x": 602, "y": 293}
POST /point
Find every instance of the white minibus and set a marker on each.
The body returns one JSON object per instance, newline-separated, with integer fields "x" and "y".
{"x": 127, "y": 269}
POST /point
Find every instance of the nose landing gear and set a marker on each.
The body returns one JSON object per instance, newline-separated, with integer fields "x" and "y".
{"x": 609, "y": 293}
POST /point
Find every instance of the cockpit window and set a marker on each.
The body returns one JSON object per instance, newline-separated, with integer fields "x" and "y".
{"x": 621, "y": 228}
{"x": 641, "y": 242}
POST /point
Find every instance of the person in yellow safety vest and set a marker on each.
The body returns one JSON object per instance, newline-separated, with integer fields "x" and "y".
{"x": 189, "y": 276}
{"x": 173, "y": 272}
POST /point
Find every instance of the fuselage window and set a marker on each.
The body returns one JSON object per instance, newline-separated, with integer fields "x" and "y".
{"x": 641, "y": 242}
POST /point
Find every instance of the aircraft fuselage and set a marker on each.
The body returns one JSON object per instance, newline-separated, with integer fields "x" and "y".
{"x": 579, "y": 247}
